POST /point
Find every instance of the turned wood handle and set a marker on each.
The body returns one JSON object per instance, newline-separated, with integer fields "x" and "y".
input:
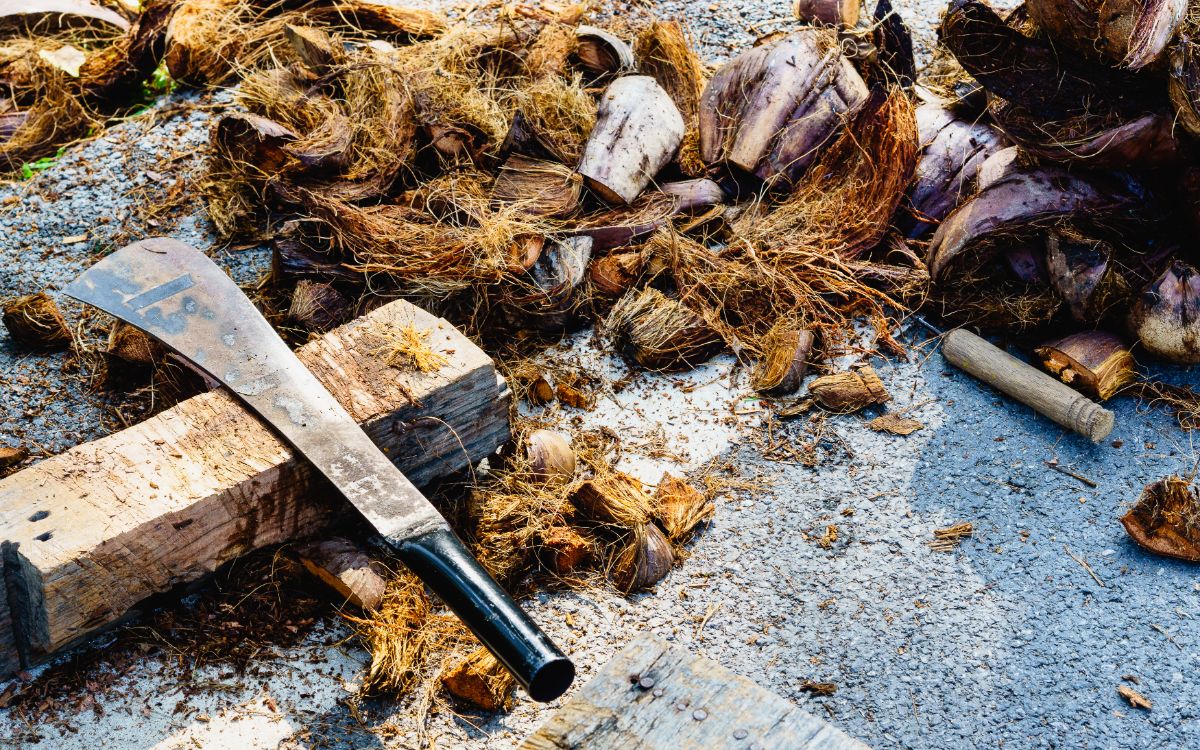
{"x": 1034, "y": 388}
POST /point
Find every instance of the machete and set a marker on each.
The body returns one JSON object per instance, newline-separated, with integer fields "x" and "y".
{"x": 176, "y": 294}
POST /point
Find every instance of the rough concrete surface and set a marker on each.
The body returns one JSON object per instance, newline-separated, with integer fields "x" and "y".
{"x": 1008, "y": 641}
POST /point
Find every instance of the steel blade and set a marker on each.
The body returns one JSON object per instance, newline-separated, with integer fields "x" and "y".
{"x": 178, "y": 295}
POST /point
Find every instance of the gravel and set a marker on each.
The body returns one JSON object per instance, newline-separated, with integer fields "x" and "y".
{"x": 1008, "y": 640}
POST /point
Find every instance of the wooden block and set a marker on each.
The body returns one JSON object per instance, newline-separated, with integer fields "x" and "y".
{"x": 683, "y": 702}
{"x": 9, "y": 658}
{"x": 94, "y": 531}
{"x": 345, "y": 567}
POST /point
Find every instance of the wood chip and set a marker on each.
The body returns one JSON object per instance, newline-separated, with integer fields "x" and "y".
{"x": 75, "y": 239}
{"x": 895, "y": 424}
{"x": 1136, "y": 699}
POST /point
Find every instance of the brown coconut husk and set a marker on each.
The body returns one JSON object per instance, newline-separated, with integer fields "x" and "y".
{"x": 559, "y": 114}
{"x": 663, "y": 51}
{"x": 660, "y": 333}
{"x": 613, "y": 275}
{"x": 850, "y": 391}
{"x": 318, "y": 306}
{"x": 480, "y": 680}
{"x": 1097, "y": 363}
{"x": 614, "y": 499}
{"x": 539, "y": 187}
{"x": 680, "y": 508}
{"x": 1166, "y": 519}
{"x": 786, "y": 353}
{"x": 644, "y": 560}
{"x": 34, "y": 321}
{"x": 564, "y": 549}
{"x": 1183, "y": 402}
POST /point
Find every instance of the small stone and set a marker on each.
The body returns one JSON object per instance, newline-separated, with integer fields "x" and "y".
{"x": 646, "y": 683}
{"x": 740, "y": 734}
{"x": 658, "y": 693}
{"x": 699, "y": 714}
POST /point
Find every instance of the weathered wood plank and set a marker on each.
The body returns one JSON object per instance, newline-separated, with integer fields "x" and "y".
{"x": 94, "y": 531}
{"x": 9, "y": 659}
{"x": 654, "y": 696}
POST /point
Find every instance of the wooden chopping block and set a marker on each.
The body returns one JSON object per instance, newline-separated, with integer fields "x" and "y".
{"x": 89, "y": 534}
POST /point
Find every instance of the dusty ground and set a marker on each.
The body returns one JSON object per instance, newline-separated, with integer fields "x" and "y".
{"x": 1008, "y": 641}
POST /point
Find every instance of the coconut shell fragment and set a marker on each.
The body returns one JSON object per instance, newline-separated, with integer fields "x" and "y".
{"x": 840, "y": 13}
{"x": 479, "y": 679}
{"x": 254, "y": 141}
{"x": 1166, "y": 315}
{"x": 770, "y": 110}
{"x": 1085, "y": 272}
{"x": 602, "y": 54}
{"x": 11, "y": 456}
{"x": 614, "y": 499}
{"x": 616, "y": 273}
{"x": 680, "y": 508}
{"x": 638, "y": 131}
{"x": 563, "y": 549}
{"x": 545, "y": 297}
{"x": 1166, "y": 519}
{"x": 34, "y": 321}
{"x": 851, "y": 391}
{"x": 644, "y": 561}
{"x": 784, "y": 363}
{"x": 1097, "y": 363}
{"x": 660, "y": 333}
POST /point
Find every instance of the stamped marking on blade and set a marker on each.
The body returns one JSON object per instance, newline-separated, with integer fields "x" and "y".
{"x": 161, "y": 292}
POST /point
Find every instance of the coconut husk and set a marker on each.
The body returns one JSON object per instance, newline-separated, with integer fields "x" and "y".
{"x": 748, "y": 125}
{"x": 34, "y": 321}
{"x": 1130, "y": 33}
{"x": 945, "y": 82}
{"x": 952, "y": 150}
{"x": 851, "y": 391}
{"x": 547, "y": 297}
{"x": 613, "y": 275}
{"x": 1095, "y": 362}
{"x": 601, "y": 54}
{"x": 1087, "y": 273}
{"x": 893, "y": 42}
{"x": 845, "y": 203}
{"x": 564, "y": 549}
{"x": 784, "y": 364}
{"x": 614, "y": 499}
{"x": 551, "y": 50}
{"x": 11, "y": 456}
{"x": 1183, "y": 402}
{"x": 1183, "y": 80}
{"x": 1166, "y": 314}
{"x": 318, "y": 306}
{"x": 680, "y": 508}
{"x": 842, "y": 14}
{"x": 480, "y": 680}
{"x": 539, "y": 187}
{"x": 1166, "y": 519}
{"x": 317, "y": 50}
{"x": 130, "y": 354}
{"x": 664, "y": 52}
{"x": 660, "y": 333}
{"x": 555, "y": 113}
{"x": 645, "y": 559}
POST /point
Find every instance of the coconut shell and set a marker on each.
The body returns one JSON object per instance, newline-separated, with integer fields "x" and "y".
{"x": 842, "y": 14}
{"x": 1166, "y": 519}
{"x": 660, "y": 333}
{"x": 770, "y": 110}
{"x": 479, "y": 679}
{"x": 1129, "y": 33}
{"x": 316, "y": 49}
{"x": 1096, "y": 363}
{"x": 1183, "y": 83}
{"x": 848, "y": 392}
{"x": 34, "y": 321}
{"x": 563, "y": 549}
{"x": 680, "y": 508}
{"x": 550, "y": 456}
{"x": 545, "y": 297}
{"x": 663, "y": 52}
{"x": 644, "y": 561}
{"x": 1166, "y": 315}
{"x": 249, "y": 139}
{"x": 784, "y": 364}
{"x": 537, "y": 186}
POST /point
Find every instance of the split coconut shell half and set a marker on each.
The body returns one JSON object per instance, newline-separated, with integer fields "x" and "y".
{"x": 786, "y": 351}
{"x": 1130, "y": 33}
{"x": 1166, "y": 315}
{"x": 660, "y": 333}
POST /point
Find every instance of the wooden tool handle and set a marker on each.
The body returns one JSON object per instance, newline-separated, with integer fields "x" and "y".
{"x": 1031, "y": 387}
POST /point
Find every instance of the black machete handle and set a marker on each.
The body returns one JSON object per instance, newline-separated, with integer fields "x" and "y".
{"x": 444, "y": 564}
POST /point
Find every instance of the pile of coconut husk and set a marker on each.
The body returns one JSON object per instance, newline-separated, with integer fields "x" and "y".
{"x": 534, "y": 175}
{"x": 1057, "y": 187}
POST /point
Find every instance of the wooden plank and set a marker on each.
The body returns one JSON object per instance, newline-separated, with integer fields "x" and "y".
{"x": 9, "y": 658}
{"x": 654, "y": 696}
{"x": 94, "y": 531}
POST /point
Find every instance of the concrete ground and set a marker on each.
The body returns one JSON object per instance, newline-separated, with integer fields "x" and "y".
{"x": 1018, "y": 638}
